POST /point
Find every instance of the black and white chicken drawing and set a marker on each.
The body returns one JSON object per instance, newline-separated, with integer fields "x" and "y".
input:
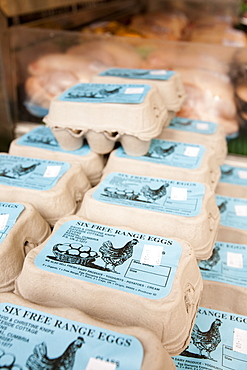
{"x": 116, "y": 256}
{"x": 17, "y": 171}
{"x": 160, "y": 152}
{"x": 39, "y": 359}
{"x": 212, "y": 261}
{"x": 207, "y": 341}
{"x": 154, "y": 194}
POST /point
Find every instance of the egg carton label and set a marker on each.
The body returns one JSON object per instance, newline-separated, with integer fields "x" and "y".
{"x": 43, "y": 138}
{"x": 31, "y": 173}
{"x": 233, "y": 175}
{"x": 218, "y": 341}
{"x": 228, "y": 264}
{"x": 142, "y": 74}
{"x": 133, "y": 262}
{"x": 170, "y": 153}
{"x": 106, "y": 93}
{"x": 233, "y": 211}
{"x": 9, "y": 213}
{"x": 151, "y": 194}
{"x": 33, "y": 339}
{"x": 192, "y": 125}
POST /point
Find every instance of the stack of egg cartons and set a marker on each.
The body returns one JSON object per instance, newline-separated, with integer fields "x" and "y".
{"x": 220, "y": 330}
{"x": 114, "y": 298}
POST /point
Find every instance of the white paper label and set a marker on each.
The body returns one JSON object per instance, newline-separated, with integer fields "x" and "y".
{"x": 151, "y": 254}
{"x": 242, "y": 174}
{"x": 240, "y": 341}
{"x": 97, "y": 364}
{"x": 158, "y": 73}
{"x": 202, "y": 126}
{"x": 178, "y": 193}
{"x": 134, "y": 90}
{"x": 3, "y": 221}
{"x": 235, "y": 260}
{"x": 191, "y": 151}
{"x": 52, "y": 171}
{"x": 241, "y": 210}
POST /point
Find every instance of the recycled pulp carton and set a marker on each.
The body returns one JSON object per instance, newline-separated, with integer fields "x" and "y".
{"x": 169, "y": 159}
{"x": 105, "y": 113}
{"x": 171, "y": 208}
{"x": 218, "y": 341}
{"x": 41, "y": 143}
{"x": 21, "y": 229}
{"x": 35, "y": 336}
{"x": 118, "y": 275}
{"x": 169, "y": 83}
{"x": 55, "y": 188}
{"x": 196, "y": 131}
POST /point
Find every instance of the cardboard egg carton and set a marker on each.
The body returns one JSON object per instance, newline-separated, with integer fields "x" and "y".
{"x": 57, "y": 337}
{"x": 22, "y": 229}
{"x": 174, "y": 160}
{"x": 196, "y": 131}
{"x": 165, "y": 207}
{"x": 55, "y": 188}
{"x": 117, "y": 275}
{"x": 233, "y": 180}
{"x": 41, "y": 143}
{"x": 105, "y": 113}
{"x": 169, "y": 83}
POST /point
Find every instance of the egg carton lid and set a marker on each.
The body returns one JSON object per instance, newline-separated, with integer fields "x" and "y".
{"x": 55, "y": 188}
{"x": 170, "y": 159}
{"x": 142, "y": 348}
{"x": 165, "y": 207}
{"x": 161, "y": 294}
{"x": 169, "y": 83}
{"x": 22, "y": 228}
{"x": 40, "y": 142}
{"x": 131, "y": 109}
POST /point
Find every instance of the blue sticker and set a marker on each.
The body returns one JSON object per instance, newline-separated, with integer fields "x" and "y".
{"x": 33, "y": 339}
{"x": 36, "y": 110}
{"x": 142, "y": 74}
{"x": 106, "y": 93}
{"x": 43, "y": 138}
{"x": 233, "y": 175}
{"x": 170, "y": 153}
{"x": 233, "y": 211}
{"x": 112, "y": 257}
{"x": 9, "y": 213}
{"x": 31, "y": 173}
{"x": 228, "y": 264}
{"x": 217, "y": 342}
{"x": 160, "y": 195}
{"x": 192, "y": 125}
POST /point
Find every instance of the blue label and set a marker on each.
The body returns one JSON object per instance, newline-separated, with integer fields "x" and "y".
{"x": 192, "y": 125}
{"x": 9, "y": 213}
{"x": 170, "y": 153}
{"x": 43, "y": 138}
{"x": 233, "y": 211}
{"x": 228, "y": 264}
{"x": 112, "y": 257}
{"x": 36, "y": 110}
{"x": 33, "y": 339}
{"x": 215, "y": 342}
{"x": 31, "y": 173}
{"x": 167, "y": 196}
{"x": 142, "y": 74}
{"x": 233, "y": 175}
{"x": 106, "y": 93}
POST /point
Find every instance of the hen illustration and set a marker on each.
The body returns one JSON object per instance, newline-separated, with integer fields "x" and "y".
{"x": 154, "y": 194}
{"x": 222, "y": 206}
{"x": 207, "y": 341}
{"x": 116, "y": 256}
{"x": 161, "y": 152}
{"x": 40, "y": 361}
{"x": 212, "y": 261}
